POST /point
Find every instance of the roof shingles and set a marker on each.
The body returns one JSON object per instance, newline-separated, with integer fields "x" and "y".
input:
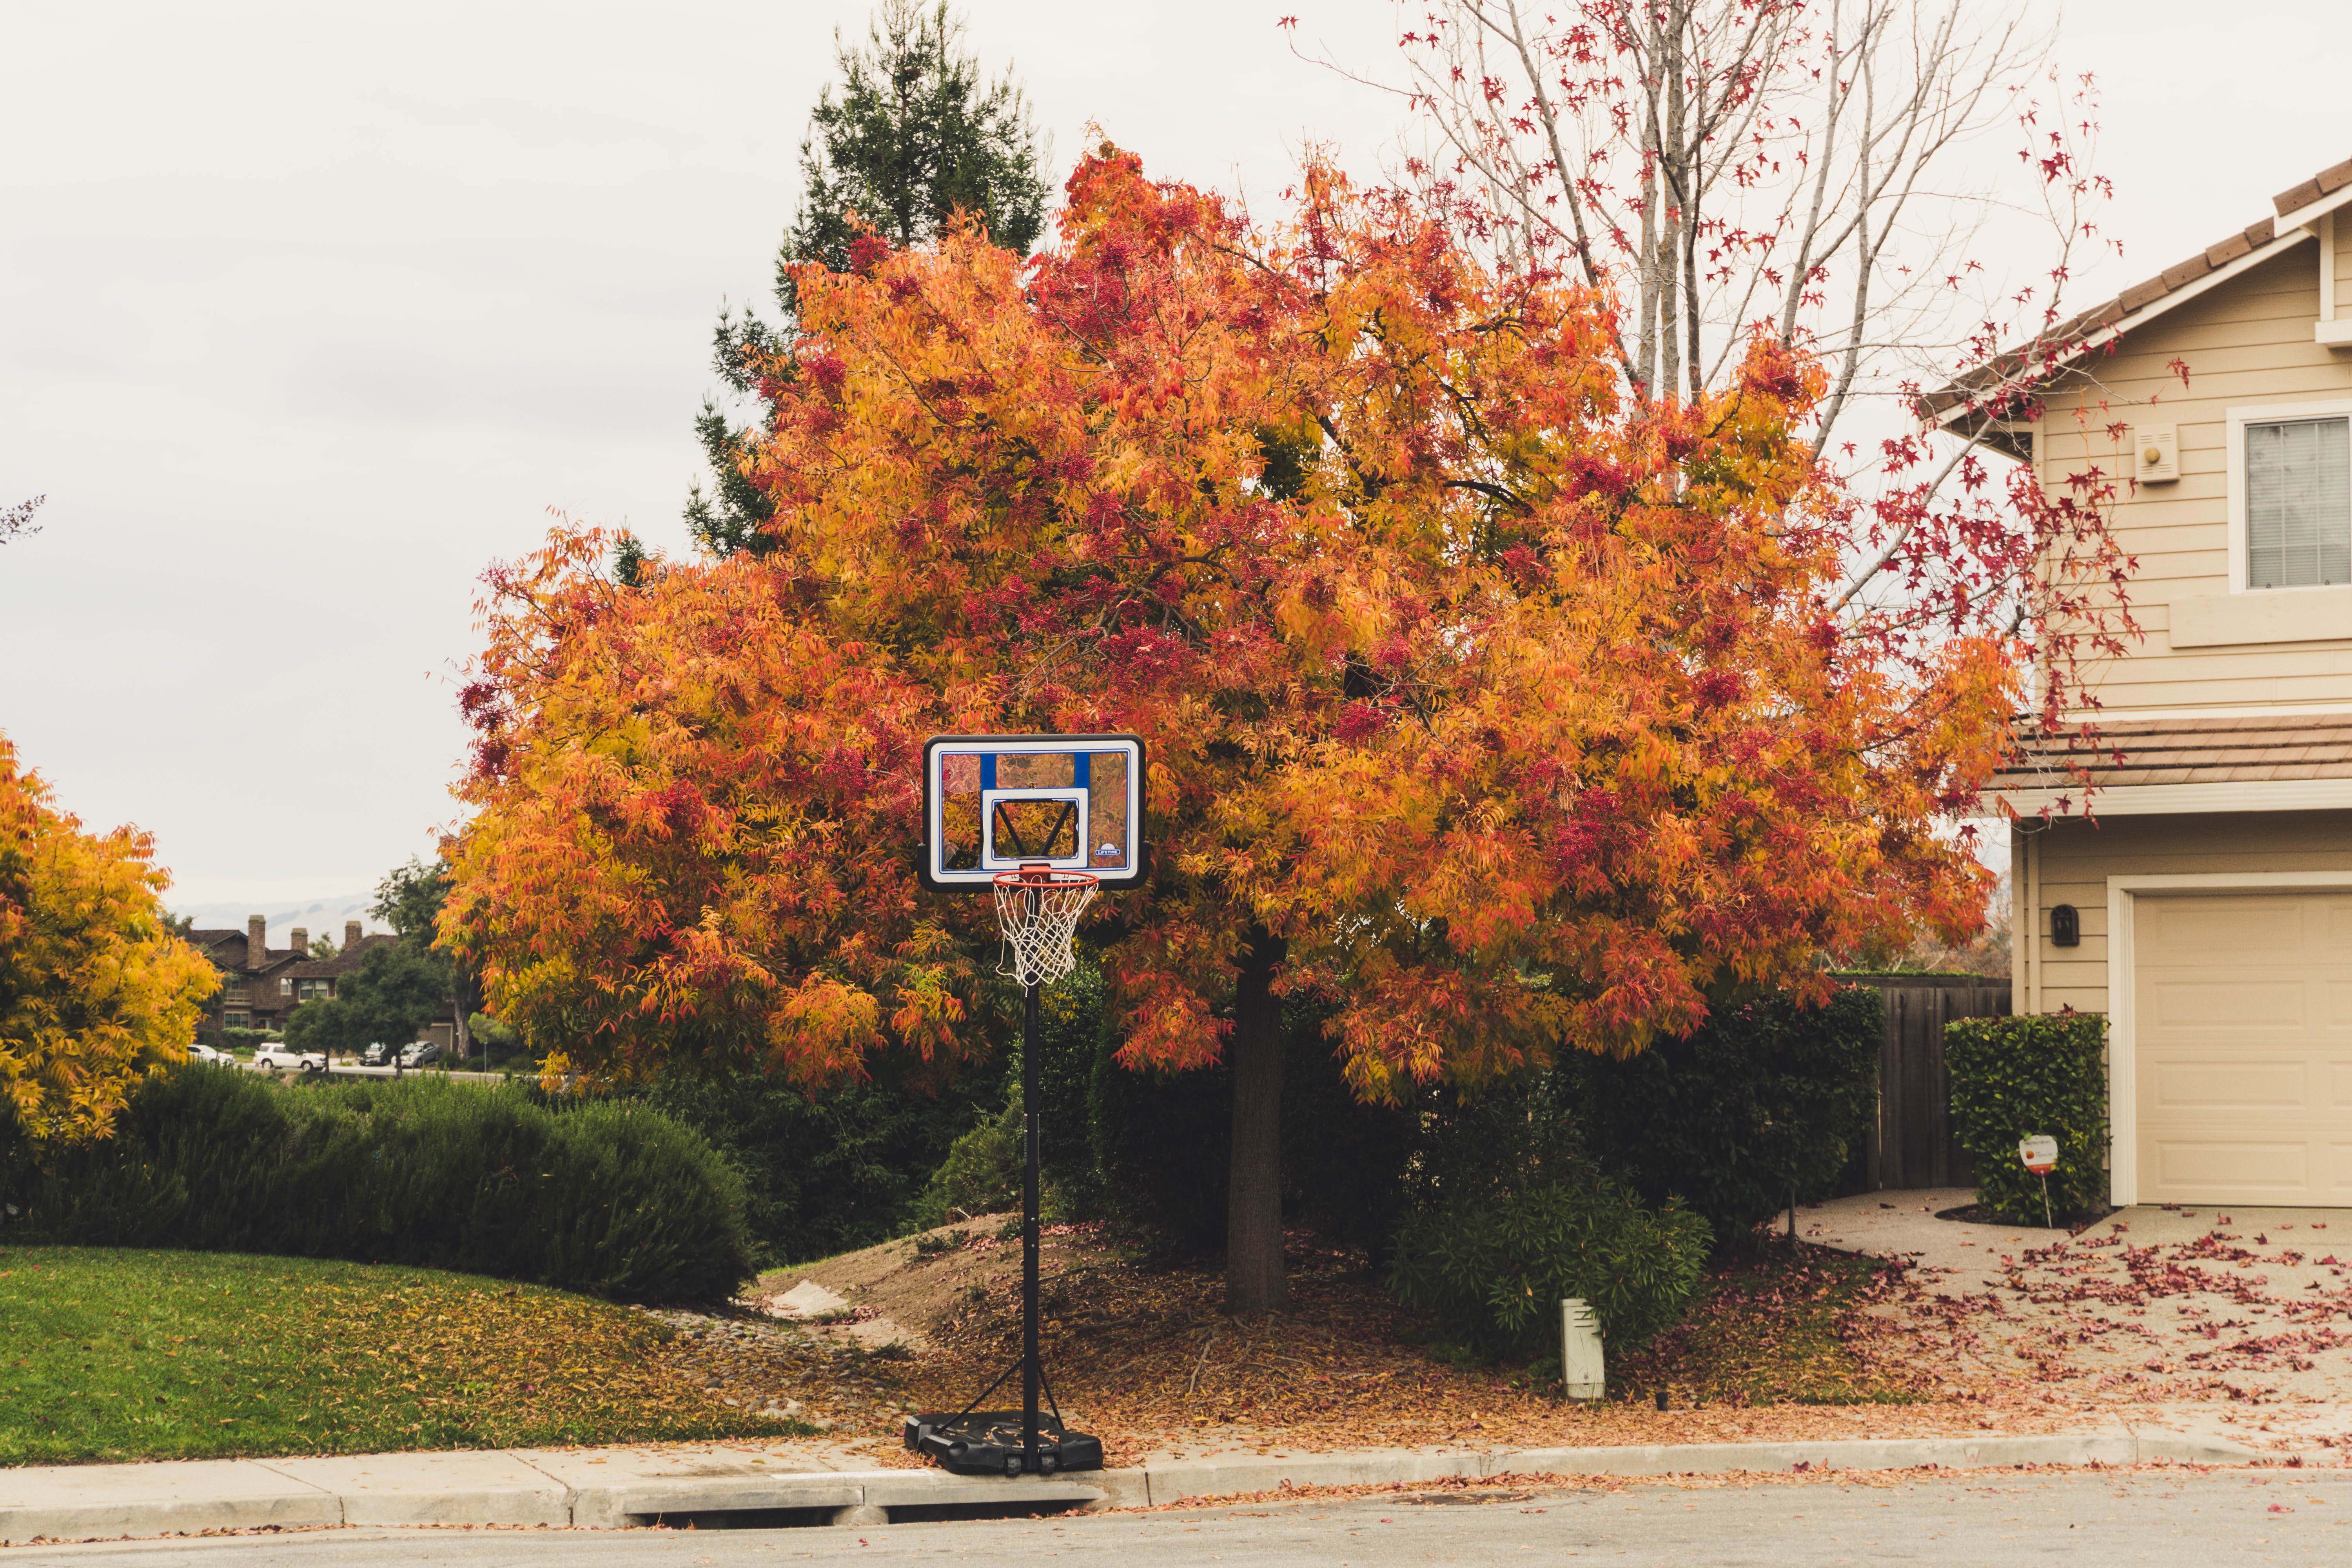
{"x": 2157, "y": 752}
{"x": 1995, "y": 382}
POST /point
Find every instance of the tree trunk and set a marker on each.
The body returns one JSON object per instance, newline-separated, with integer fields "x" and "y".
{"x": 1253, "y": 1279}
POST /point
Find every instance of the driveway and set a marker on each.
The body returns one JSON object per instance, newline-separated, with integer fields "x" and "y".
{"x": 2227, "y": 1322}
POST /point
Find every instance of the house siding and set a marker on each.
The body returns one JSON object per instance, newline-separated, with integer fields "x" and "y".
{"x": 2246, "y": 343}
{"x": 2069, "y": 862}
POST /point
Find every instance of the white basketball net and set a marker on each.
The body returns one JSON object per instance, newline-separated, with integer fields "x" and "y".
{"x": 1038, "y": 919}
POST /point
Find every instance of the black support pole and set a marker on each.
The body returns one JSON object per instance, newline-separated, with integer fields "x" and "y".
{"x": 1030, "y": 1366}
{"x": 971, "y": 1441}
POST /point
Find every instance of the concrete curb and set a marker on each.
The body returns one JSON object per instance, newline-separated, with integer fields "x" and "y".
{"x": 616, "y": 1489}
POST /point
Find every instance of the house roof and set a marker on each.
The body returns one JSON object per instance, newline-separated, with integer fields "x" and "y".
{"x": 2144, "y": 302}
{"x": 2190, "y": 752}
{"x": 275, "y": 958}
{"x": 347, "y": 959}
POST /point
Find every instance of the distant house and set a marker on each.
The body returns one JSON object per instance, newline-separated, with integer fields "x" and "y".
{"x": 261, "y": 985}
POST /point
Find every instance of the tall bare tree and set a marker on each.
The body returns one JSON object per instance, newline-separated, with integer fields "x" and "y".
{"x": 1831, "y": 172}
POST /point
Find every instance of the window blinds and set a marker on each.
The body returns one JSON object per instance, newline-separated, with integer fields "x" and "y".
{"x": 2298, "y": 503}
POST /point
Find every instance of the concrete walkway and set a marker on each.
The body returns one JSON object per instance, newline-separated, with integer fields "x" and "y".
{"x": 1904, "y": 1225}
{"x": 783, "y": 1483}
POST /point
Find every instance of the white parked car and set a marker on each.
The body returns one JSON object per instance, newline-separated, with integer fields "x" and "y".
{"x": 275, "y": 1055}
{"x": 200, "y": 1052}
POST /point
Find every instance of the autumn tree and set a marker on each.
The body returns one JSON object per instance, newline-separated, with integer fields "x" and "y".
{"x": 914, "y": 135}
{"x": 1503, "y": 710}
{"x": 94, "y": 990}
{"x": 1835, "y": 178}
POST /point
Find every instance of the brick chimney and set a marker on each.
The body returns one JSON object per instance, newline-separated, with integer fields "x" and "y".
{"x": 257, "y": 940}
{"x": 350, "y": 935}
{"x": 301, "y": 943}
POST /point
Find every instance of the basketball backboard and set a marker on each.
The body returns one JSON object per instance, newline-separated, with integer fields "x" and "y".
{"x": 997, "y": 803}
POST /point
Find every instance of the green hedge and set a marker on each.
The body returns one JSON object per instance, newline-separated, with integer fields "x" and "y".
{"x": 1767, "y": 1100}
{"x": 2014, "y": 1078}
{"x": 613, "y": 1199}
{"x": 1494, "y": 1270}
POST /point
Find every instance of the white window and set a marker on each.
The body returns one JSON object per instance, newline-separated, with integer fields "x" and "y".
{"x": 2298, "y": 503}
{"x": 2290, "y": 497}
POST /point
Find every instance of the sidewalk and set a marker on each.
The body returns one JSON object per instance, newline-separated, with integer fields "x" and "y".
{"x": 803, "y": 1483}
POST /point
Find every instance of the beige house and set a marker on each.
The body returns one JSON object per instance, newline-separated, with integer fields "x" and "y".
{"x": 2207, "y": 908}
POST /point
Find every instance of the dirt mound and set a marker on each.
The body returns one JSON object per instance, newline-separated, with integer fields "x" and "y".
{"x": 905, "y": 1294}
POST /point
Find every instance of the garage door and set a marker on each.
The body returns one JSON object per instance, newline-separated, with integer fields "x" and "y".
{"x": 2243, "y": 1026}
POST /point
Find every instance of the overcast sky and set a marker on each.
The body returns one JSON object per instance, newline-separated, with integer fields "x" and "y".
{"x": 307, "y": 312}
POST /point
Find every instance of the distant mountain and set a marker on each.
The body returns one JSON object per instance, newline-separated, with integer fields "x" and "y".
{"x": 321, "y": 917}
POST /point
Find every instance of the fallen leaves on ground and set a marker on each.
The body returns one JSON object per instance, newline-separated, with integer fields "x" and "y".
{"x": 1781, "y": 1346}
{"x": 125, "y": 1354}
{"x": 2246, "y": 1328}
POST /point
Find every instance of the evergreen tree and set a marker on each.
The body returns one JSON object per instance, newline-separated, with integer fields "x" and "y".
{"x": 914, "y": 136}
{"x": 389, "y": 999}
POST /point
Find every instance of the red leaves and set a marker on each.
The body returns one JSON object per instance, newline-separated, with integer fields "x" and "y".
{"x": 1359, "y": 720}
{"x": 1719, "y": 688}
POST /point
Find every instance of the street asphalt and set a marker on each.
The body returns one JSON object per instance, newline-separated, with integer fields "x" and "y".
{"x": 2155, "y": 1517}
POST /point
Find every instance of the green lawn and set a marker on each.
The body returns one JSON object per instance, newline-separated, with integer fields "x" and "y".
{"x": 119, "y": 1354}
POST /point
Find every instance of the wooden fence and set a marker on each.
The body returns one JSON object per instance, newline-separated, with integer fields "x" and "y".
{"x": 1911, "y": 1143}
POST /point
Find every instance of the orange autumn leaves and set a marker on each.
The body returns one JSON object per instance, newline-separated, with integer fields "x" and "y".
{"x": 94, "y": 991}
{"x": 1514, "y": 708}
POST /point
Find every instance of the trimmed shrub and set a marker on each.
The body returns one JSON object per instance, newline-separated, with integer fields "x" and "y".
{"x": 616, "y": 1200}
{"x": 1765, "y": 1103}
{"x": 2015, "y": 1077}
{"x": 1494, "y": 1272}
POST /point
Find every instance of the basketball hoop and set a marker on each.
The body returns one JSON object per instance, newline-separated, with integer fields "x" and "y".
{"x": 1037, "y": 909}
{"x": 1047, "y": 821}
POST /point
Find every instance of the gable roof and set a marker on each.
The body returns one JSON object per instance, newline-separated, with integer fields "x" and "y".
{"x": 212, "y": 944}
{"x": 2144, "y": 302}
{"x": 347, "y": 959}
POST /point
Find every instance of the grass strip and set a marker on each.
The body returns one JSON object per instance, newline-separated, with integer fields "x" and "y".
{"x": 117, "y": 1354}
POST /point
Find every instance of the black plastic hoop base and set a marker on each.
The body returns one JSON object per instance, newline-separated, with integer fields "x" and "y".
{"x": 988, "y": 1443}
